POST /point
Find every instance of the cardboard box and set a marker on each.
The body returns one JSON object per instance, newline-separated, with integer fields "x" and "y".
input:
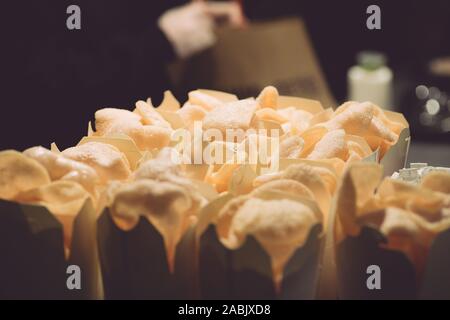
{"x": 243, "y": 61}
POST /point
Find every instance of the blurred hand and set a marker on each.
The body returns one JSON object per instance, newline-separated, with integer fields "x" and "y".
{"x": 190, "y": 28}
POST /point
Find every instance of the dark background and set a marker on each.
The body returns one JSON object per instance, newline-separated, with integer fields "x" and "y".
{"x": 53, "y": 79}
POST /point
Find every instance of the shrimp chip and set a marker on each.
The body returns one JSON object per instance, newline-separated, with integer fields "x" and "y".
{"x": 357, "y": 146}
{"x": 379, "y": 129}
{"x": 319, "y": 180}
{"x": 221, "y": 179}
{"x": 395, "y": 126}
{"x": 169, "y": 103}
{"x": 167, "y": 168}
{"x": 291, "y": 147}
{"x": 332, "y": 145}
{"x": 354, "y": 119}
{"x": 298, "y": 119}
{"x": 322, "y": 116}
{"x": 111, "y": 121}
{"x": 241, "y": 181}
{"x": 422, "y": 201}
{"x": 311, "y": 178}
{"x": 311, "y": 137}
{"x": 233, "y": 115}
{"x": 365, "y": 120}
{"x": 190, "y": 113}
{"x": 107, "y": 117}
{"x": 19, "y": 173}
{"x": 60, "y": 167}
{"x": 105, "y": 159}
{"x": 204, "y": 100}
{"x": 270, "y": 114}
{"x": 149, "y": 115}
{"x": 165, "y": 171}
{"x": 268, "y": 98}
{"x": 157, "y": 170}
{"x": 327, "y": 169}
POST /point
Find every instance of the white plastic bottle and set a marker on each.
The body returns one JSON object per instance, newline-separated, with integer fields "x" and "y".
{"x": 371, "y": 80}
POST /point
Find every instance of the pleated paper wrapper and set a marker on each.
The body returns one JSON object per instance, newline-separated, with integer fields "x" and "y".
{"x": 34, "y": 263}
{"x": 245, "y": 273}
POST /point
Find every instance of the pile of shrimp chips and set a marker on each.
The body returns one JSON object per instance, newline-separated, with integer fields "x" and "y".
{"x": 131, "y": 166}
{"x": 354, "y": 131}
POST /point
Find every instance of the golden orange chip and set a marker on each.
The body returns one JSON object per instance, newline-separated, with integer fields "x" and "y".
{"x": 169, "y": 103}
{"x": 332, "y": 145}
{"x": 395, "y": 126}
{"x": 311, "y": 137}
{"x": 366, "y": 120}
{"x": 354, "y": 119}
{"x": 378, "y": 129}
{"x": 268, "y": 98}
{"x": 270, "y": 114}
{"x": 358, "y": 145}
